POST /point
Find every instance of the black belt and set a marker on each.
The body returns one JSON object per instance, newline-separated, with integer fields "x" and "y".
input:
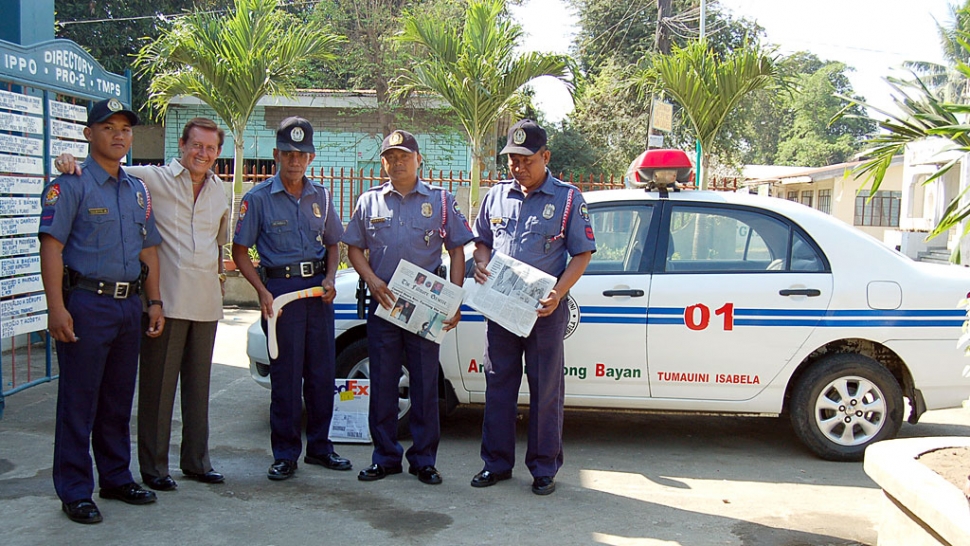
{"x": 116, "y": 290}
{"x": 300, "y": 269}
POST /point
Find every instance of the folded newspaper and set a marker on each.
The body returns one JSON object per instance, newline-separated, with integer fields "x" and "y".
{"x": 510, "y": 297}
{"x": 424, "y": 301}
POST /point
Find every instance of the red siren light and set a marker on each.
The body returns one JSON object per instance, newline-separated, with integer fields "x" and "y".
{"x": 659, "y": 168}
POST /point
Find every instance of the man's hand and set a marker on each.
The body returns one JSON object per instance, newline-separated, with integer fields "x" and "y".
{"x": 548, "y": 304}
{"x": 378, "y": 289}
{"x": 266, "y": 303}
{"x": 329, "y": 292}
{"x": 156, "y": 321}
{"x": 451, "y": 323}
{"x": 481, "y": 272}
{"x": 66, "y": 164}
{"x": 60, "y": 324}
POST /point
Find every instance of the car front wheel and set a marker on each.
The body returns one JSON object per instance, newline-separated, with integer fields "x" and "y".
{"x": 353, "y": 362}
{"x": 844, "y": 403}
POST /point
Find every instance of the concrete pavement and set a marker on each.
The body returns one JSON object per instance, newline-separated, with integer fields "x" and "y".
{"x": 628, "y": 479}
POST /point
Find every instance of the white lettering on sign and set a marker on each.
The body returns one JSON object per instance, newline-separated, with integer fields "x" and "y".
{"x": 19, "y": 64}
{"x": 20, "y": 145}
{"x": 21, "y": 164}
{"x": 15, "y": 286}
{"x": 21, "y": 184}
{"x": 23, "y": 306}
{"x": 68, "y": 59}
{"x": 19, "y": 266}
{"x": 23, "y": 325}
{"x": 77, "y": 149}
{"x": 21, "y": 103}
{"x": 64, "y": 129}
{"x": 67, "y": 111}
{"x": 21, "y": 124}
{"x": 19, "y": 246}
{"x": 26, "y": 225}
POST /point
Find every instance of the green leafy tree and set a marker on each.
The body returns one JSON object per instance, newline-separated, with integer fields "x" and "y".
{"x": 474, "y": 68}
{"x": 231, "y": 61}
{"x": 113, "y": 30}
{"x": 945, "y": 79}
{"x": 709, "y": 87}
{"x": 813, "y": 140}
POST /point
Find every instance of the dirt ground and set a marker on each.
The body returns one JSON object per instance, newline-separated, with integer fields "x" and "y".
{"x": 951, "y": 463}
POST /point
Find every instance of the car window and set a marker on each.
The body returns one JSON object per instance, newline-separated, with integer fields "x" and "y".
{"x": 804, "y": 257}
{"x": 621, "y": 234}
{"x": 725, "y": 240}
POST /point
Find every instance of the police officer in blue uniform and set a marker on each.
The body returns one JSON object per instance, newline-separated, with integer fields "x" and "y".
{"x": 96, "y": 231}
{"x": 539, "y": 220}
{"x": 296, "y": 229}
{"x": 404, "y": 219}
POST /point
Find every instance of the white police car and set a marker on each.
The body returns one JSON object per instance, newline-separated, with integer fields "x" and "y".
{"x": 730, "y": 304}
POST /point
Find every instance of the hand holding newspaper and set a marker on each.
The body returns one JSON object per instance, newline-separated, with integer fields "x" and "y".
{"x": 424, "y": 301}
{"x": 510, "y": 297}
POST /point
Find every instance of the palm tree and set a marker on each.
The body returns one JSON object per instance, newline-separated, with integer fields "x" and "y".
{"x": 474, "y": 68}
{"x": 230, "y": 62}
{"x": 945, "y": 80}
{"x": 709, "y": 88}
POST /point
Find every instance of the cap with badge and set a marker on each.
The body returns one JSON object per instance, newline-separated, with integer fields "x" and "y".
{"x": 104, "y": 109}
{"x": 399, "y": 140}
{"x": 525, "y": 138}
{"x": 295, "y": 135}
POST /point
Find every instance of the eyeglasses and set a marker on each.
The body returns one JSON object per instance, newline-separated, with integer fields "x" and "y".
{"x": 199, "y": 148}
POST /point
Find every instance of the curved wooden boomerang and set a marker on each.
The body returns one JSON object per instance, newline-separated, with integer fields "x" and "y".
{"x": 278, "y": 303}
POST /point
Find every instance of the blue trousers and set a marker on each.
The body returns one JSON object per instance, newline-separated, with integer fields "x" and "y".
{"x": 304, "y": 334}
{"x": 544, "y": 362}
{"x": 94, "y": 394}
{"x": 389, "y": 347}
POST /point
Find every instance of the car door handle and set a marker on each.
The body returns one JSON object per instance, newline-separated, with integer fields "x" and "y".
{"x": 810, "y": 292}
{"x": 632, "y": 292}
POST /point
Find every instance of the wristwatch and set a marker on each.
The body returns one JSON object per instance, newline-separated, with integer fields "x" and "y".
{"x": 155, "y": 302}
{"x": 222, "y": 277}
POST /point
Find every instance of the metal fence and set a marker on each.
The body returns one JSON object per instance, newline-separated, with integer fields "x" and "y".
{"x": 346, "y": 185}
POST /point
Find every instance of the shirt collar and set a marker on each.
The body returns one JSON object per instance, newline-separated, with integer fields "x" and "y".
{"x": 421, "y": 187}
{"x": 98, "y": 174}
{"x": 177, "y": 169}
{"x": 546, "y": 186}
{"x": 276, "y": 185}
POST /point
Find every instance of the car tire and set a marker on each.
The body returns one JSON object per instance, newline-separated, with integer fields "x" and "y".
{"x": 843, "y": 403}
{"x": 353, "y": 362}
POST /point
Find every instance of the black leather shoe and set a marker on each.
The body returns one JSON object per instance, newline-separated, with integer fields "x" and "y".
{"x": 82, "y": 511}
{"x": 330, "y": 460}
{"x": 160, "y": 484}
{"x": 426, "y": 474}
{"x": 208, "y": 477}
{"x": 132, "y": 493}
{"x": 543, "y": 485}
{"x": 281, "y": 469}
{"x": 487, "y": 478}
{"x": 376, "y": 472}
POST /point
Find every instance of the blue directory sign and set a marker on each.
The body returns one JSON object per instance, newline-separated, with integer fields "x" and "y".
{"x": 61, "y": 65}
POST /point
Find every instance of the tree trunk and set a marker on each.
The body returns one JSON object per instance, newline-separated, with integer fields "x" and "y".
{"x": 237, "y": 175}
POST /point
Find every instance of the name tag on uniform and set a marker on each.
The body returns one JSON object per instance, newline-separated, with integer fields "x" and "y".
{"x": 279, "y": 223}
{"x": 98, "y": 212}
{"x": 378, "y": 220}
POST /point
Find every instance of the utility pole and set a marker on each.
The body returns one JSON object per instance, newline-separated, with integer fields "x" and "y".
{"x": 663, "y": 30}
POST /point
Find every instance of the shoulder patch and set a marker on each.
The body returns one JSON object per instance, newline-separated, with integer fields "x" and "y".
{"x": 52, "y": 195}
{"x": 242, "y": 209}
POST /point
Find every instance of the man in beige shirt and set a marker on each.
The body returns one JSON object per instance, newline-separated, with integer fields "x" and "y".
{"x": 192, "y": 214}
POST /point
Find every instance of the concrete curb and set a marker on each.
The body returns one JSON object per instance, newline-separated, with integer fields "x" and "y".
{"x": 922, "y": 507}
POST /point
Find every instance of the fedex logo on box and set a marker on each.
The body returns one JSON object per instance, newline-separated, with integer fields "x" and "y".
{"x": 351, "y": 386}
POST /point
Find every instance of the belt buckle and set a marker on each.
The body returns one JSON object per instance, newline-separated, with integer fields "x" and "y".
{"x": 306, "y": 269}
{"x": 121, "y": 290}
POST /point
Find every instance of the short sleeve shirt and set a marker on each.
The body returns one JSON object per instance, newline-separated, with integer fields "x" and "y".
{"x": 193, "y": 231}
{"x": 103, "y": 222}
{"x": 536, "y": 228}
{"x": 410, "y": 227}
{"x": 286, "y": 229}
